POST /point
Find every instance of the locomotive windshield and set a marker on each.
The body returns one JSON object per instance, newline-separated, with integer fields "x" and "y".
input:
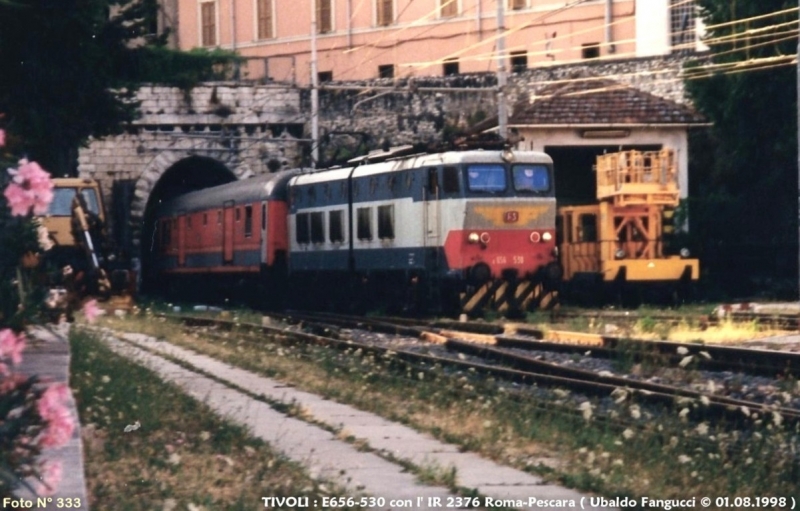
{"x": 531, "y": 178}
{"x": 486, "y": 178}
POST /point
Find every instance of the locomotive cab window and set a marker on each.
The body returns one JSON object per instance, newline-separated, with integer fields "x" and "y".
{"x": 386, "y": 222}
{"x": 450, "y": 182}
{"x": 248, "y": 221}
{"x": 317, "y": 227}
{"x": 433, "y": 182}
{"x": 486, "y": 178}
{"x": 302, "y": 232}
{"x": 364, "y": 228}
{"x": 531, "y": 178}
{"x": 336, "y": 227}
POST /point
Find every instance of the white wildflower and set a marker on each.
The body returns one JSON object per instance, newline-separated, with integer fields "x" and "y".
{"x": 586, "y": 409}
{"x": 777, "y": 418}
{"x": 673, "y": 441}
{"x": 636, "y": 412}
{"x": 170, "y": 505}
{"x": 748, "y": 461}
{"x": 684, "y": 459}
{"x": 205, "y": 436}
{"x": 684, "y": 413}
{"x": 619, "y": 395}
{"x": 702, "y": 428}
{"x": 43, "y": 237}
{"x": 174, "y": 458}
{"x": 562, "y": 393}
{"x": 705, "y": 400}
{"x": 618, "y": 463}
{"x": 132, "y": 427}
{"x": 421, "y": 375}
{"x": 686, "y": 361}
{"x": 105, "y": 378}
{"x": 712, "y": 387}
{"x": 606, "y": 374}
{"x": 628, "y": 434}
{"x": 745, "y": 410}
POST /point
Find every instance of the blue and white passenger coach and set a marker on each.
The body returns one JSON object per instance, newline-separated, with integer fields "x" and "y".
{"x": 447, "y": 230}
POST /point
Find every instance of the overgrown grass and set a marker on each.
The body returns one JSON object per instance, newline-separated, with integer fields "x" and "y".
{"x": 176, "y": 454}
{"x": 658, "y": 456}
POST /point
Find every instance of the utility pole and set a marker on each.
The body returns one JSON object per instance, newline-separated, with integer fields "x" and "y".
{"x": 502, "y": 107}
{"x": 314, "y": 88}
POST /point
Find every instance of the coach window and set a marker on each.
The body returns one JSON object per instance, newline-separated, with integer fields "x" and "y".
{"x": 302, "y": 233}
{"x": 336, "y": 227}
{"x": 205, "y": 218}
{"x": 364, "y": 218}
{"x": 317, "y": 227}
{"x": 165, "y": 233}
{"x": 238, "y": 214}
{"x": 188, "y": 222}
{"x": 219, "y": 217}
{"x": 386, "y": 222}
{"x": 263, "y": 217}
{"x": 248, "y": 221}
{"x": 450, "y": 182}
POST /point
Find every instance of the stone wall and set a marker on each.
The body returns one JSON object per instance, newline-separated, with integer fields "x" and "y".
{"x": 420, "y": 109}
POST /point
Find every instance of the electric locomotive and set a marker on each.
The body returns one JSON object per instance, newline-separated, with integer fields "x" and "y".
{"x": 454, "y": 231}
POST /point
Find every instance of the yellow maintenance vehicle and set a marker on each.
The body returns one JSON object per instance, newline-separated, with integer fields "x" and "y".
{"x": 618, "y": 243}
{"x": 82, "y": 253}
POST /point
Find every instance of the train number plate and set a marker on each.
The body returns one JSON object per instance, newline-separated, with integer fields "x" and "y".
{"x": 511, "y": 217}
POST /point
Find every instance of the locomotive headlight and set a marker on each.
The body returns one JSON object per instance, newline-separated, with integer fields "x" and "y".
{"x": 473, "y": 237}
{"x": 547, "y": 236}
{"x": 485, "y": 238}
{"x": 620, "y": 254}
{"x": 535, "y": 237}
{"x": 685, "y": 253}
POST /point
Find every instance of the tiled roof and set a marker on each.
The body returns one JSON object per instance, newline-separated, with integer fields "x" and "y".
{"x": 600, "y": 102}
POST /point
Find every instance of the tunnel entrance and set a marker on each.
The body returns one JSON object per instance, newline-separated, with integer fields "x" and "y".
{"x": 188, "y": 175}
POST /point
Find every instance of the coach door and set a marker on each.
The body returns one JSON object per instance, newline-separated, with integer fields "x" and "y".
{"x": 431, "y": 194}
{"x": 181, "y": 239}
{"x": 227, "y": 232}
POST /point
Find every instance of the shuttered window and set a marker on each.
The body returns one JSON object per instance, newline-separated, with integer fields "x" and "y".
{"x": 448, "y": 8}
{"x": 265, "y": 19}
{"x": 324, "y": 16}
{"x": 208, "y": 17}
{"x": 385, "y": 12}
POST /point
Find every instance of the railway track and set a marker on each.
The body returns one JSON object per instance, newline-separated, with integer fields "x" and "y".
{"x": 506, "y": 363}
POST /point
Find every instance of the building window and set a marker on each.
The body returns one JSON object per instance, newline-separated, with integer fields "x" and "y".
{"x": 325, "y": 76}
{"x": 324, "y": 16}
{"x": 336, "y": 227}
{"x": 682, "y": 14}
{"x": 208, "y": 21}
{"x": 386, "y": 222}
{"x": 248, "y": 221}
{"x": 386, "y": 71}
{"x": 519, "y": 61}
{"x": 265, "y": 19}
{"x": 448, "y": 8}
{"x": 301, "y": 231}
{"x": 205, "y": 218}
{"x": 450, "y": 67}
{"x": 317, "y": 227}
{"x": 364, "y": 230}
{"x": 590, "y": 50}
{"x": 385, "y": 12}
{"x": 516, "y": 5}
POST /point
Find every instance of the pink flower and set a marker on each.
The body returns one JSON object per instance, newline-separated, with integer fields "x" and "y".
{"x": 53, "y": 410}
{"x": 91, "y": 310}
{"x": 2, "y": 138}
{"x": 31, "y": 187}
{"x": 50, "y": 475}
{"x": 11, "y": 345}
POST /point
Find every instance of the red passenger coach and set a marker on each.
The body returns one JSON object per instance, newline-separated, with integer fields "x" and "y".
{"x": 230, "y": 237}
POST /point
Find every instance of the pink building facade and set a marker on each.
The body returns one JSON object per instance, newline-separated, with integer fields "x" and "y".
{"x": 366, "y": 39}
